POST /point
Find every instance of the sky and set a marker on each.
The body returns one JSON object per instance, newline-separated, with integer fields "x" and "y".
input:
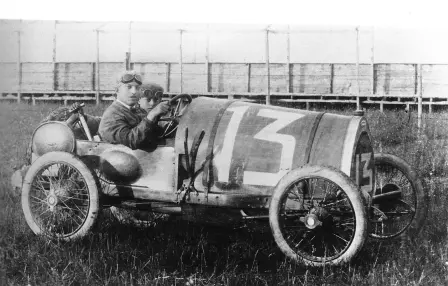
{"x": 405, "y": 31}
{"x": 424, "y": 40}
{"x": 397, "y": 13}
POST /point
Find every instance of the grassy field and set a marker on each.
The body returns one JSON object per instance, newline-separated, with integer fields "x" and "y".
{"x": 181, "y": 253}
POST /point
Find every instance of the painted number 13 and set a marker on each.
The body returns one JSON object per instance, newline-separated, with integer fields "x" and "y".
{"x": 268, "y": 133}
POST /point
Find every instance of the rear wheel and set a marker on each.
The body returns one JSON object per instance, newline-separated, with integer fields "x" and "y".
{"x": 60, "y": 197}
{"x": 317, "y": 216}
{"x": 400, "y": 203}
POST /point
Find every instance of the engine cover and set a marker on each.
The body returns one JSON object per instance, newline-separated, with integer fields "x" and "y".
{"x": 53, "y": 136}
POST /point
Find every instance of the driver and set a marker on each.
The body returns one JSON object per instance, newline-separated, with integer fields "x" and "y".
{"x": 124, "y": 122}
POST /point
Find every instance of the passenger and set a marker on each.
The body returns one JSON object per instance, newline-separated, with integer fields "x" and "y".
{"x": 151, "y": 95}
{"x": 124, "y": 122}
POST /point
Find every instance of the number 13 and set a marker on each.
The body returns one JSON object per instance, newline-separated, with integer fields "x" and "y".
{"x": 268, "y": 133}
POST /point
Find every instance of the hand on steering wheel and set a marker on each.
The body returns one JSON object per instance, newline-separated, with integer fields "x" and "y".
{"x": 182, "y": 100}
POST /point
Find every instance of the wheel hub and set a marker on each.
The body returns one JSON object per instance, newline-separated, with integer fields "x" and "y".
{"x": 311, "y": 221}
{"x": 315, "y": 217}
{"x": 52, "y": 201}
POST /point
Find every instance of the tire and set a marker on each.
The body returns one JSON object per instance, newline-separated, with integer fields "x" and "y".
{"x": 60, "y": 198}
{"x": 137, "y": 218}
{"x": 402, "y": 215}
{"x": 325, "y": 194}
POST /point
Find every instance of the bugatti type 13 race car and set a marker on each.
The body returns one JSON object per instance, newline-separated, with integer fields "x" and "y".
{"x": 312, "y": 176}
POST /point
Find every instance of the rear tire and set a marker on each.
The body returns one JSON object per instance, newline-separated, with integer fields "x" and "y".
{"x": 403, "y": 215}
{"x": 317, "y": 216}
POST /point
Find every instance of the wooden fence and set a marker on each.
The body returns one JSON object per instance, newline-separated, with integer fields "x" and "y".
{"x": 383, "y": 84}
{"x": 357, "y": 83}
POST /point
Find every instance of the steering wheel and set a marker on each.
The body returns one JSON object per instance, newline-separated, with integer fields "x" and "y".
{"x": 183, "y": 100}
{"x": 77, "y": 109}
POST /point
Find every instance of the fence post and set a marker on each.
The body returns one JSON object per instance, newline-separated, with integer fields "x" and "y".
{"x": 19, "y": 68}
{"x": 128, "y": 54}
{"x": 207, "y": 60}
{"x": 332, "y": 78}
{"x": 358, "y": 100}
{"x": 288, "y": 62}
{"x": 420, "y": 96}
{"x": 55, "y": 79}
{"x": 268, "y": 70}
{"x": 97, "y": 94}
{"x": 248, "y": 76}
{"x": 167, "y": 77}
{"x": 373, "y": 83}
{"x": 127, "y": 61}
{"x": 181, "y": 61}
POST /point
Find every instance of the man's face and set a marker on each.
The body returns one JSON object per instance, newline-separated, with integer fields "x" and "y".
{"x": 128, "y": 93}
{"x": 148, "y": 104}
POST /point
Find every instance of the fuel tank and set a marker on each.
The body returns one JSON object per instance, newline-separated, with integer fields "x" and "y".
{"x": 249, "y": 147}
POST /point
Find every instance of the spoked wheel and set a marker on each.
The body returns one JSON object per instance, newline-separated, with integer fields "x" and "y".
{"x": 60, "y": 197}
{"x": 317, "y": 216}
{"x": 400, "y": 203}
{"x": 137, "y": 218}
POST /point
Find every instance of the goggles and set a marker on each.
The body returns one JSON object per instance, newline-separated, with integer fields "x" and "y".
{"x": 149, "y": 94}
{"x": 127, "y": 78}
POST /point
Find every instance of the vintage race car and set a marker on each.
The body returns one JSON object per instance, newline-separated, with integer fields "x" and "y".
{"x": 312, "y": 175}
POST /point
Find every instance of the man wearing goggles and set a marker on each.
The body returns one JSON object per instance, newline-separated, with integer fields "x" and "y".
{"x": 124, "y": 122}
{"x": 151, "y": 95}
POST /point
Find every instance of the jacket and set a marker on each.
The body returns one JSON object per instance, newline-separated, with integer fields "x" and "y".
{"x": 121, "y": 125}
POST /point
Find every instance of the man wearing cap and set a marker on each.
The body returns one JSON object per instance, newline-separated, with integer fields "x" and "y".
{"x": 125, "y": 123}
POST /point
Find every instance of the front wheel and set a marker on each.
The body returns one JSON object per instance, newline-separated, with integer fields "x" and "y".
{"x": 60, "y": 198}
{"x": 400, "y": 203}
{"x": 317, "y": 216}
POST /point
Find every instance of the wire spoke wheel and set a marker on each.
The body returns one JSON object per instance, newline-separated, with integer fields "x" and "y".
{"x": 317, "y": 216}
{"x": 60, "y": 197}
{"x": 400, "y": 201}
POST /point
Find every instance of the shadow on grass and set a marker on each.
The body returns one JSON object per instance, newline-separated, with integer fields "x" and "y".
{"x": 190, "y": 248}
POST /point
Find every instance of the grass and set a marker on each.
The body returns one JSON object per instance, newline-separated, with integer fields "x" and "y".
{"x": 181, "y": 253}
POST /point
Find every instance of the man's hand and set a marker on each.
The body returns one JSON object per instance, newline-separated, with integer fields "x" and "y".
{"x": 160, "y": 109}
{"x": 72, "y": 120}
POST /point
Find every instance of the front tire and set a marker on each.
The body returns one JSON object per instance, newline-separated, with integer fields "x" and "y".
{"x": 317, "y": 216}
{"x": 60, "y": 198}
